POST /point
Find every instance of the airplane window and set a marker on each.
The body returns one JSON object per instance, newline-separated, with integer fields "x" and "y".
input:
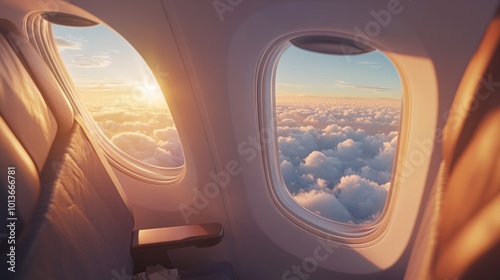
{"x": 337, "y": 126}
{"x": 119, "y": 91}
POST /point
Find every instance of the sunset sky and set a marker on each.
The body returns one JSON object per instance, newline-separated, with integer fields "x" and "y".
{"x": 102, "y": 63}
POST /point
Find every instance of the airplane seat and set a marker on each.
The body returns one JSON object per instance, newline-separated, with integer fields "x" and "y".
{"x": 72, "y": 219}
{"x": 465, "y": 239}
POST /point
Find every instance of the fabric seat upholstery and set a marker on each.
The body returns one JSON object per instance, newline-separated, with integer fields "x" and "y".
{"x": 463, "y": 239}
{"x": 76, "y": 223}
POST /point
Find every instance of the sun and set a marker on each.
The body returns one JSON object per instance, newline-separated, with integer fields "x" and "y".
{"x": 151, "y": 90}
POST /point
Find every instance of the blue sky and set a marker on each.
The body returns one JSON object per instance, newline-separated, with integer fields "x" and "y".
{"x": 100, "y": 60}
{"x": 306, "y": 73}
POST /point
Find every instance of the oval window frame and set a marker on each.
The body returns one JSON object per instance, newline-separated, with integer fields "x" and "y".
{"x": 40, "y": 35}
{"x": 355, "y": 235}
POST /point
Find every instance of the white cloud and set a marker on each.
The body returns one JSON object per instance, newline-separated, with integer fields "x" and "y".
{"x": 92, "y": 61}
{"x": 288, "y": 123}
{"x": 67, "y": 44}
{"x": 367, "y": 62}
{"x": 137, "y": 145}
{"x": 349, "y": 150}
{"x": 294, "y": 85}
{"x": 325, "y": 204}
{"x": 145, "y": 133}
{"x": 344, "y": 84}
{"x": 370, "y": 64}
{"x": 364, "y": 199}
{"x": 320, "y": 166}
{"x": 336, "y": 158}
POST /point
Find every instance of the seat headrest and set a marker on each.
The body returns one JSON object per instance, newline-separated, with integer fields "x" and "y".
{"x": 42, "y": 76}
{"x": 469, "y": 226}
{"x": 23, "y": 108}
{"x": 477, "y": 94}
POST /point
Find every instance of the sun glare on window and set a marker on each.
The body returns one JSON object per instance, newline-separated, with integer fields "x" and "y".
{"x": 119, "y": 91}
{"x": 338, "y": 120}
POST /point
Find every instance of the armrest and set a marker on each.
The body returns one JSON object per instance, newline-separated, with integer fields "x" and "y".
{"x": 202, "y": 235}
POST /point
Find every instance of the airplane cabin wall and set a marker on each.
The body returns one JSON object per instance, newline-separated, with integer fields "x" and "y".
{"x": 423, "y": 41}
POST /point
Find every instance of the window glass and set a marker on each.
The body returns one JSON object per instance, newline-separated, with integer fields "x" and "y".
{"x": 118, "y": 89}
{"x": 338, "y": 119}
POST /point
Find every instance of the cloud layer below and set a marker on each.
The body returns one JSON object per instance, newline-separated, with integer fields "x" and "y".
{"x": 146, "y": 133}
{"x": 336, "y": 158}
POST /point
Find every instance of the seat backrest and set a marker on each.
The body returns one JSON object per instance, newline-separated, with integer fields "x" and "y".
{"x": 460, "y": 232}
{"x": 469, "y": 226}
{"x": 71, "y": 221}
